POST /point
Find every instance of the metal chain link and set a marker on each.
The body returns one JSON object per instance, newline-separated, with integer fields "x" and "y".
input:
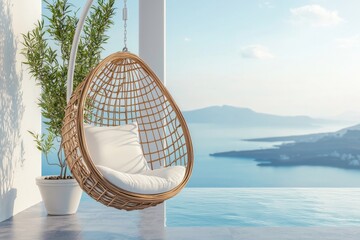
{"x": 125, "y": 18}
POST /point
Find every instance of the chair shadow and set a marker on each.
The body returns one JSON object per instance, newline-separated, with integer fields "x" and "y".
{"x": 11, "y": 111}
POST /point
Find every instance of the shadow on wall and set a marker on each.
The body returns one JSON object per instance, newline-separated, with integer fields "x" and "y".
{"x": 11, "y": 112}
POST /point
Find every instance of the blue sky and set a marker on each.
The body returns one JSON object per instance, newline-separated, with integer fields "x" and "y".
{"x": 283, "y": 57}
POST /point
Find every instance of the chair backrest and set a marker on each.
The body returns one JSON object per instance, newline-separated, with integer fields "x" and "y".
{"x": 122, "y": 89}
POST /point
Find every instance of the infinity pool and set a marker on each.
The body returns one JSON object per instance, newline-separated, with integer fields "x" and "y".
{"x": 265, "y": 207}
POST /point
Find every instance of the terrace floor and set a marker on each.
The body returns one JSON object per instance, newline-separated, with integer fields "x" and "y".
{"x": 94, "y": 221}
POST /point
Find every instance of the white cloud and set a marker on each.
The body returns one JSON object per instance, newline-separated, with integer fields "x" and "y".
{"x": 316, "y": 15}
{"x": 348, "y": 42}
{"x": 257, "y": 52}
{"x": 187, "y": 39}
{"x": 265, "y": 4}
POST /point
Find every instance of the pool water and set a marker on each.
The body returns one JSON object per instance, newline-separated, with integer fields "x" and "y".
{"x": 260, "y": 207}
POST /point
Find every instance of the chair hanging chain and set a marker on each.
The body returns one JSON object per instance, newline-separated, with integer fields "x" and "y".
{"x": 125, "y": 18}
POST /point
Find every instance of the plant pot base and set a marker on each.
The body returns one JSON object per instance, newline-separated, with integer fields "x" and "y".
{"x": 61, "y": 197}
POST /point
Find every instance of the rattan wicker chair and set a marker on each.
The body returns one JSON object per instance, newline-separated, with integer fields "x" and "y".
{"x": 120, "y": 90}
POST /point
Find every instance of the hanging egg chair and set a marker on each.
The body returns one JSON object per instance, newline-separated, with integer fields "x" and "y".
{"x": 125, "y": 139}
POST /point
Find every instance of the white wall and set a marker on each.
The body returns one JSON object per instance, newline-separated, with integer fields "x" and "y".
{"x": 20, "y": 162}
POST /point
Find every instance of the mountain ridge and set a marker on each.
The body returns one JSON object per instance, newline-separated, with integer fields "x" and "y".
{"x": 231, "y": 115}
{"x": 333, "y": 149}
{"x": 306, "y": 137}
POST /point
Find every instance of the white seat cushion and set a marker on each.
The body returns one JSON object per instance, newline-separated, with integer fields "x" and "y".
{"x": 147, "y": 182}
{"x": 116, "y": 147}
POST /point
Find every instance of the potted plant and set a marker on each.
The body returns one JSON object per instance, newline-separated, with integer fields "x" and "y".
{"x": 47, "y": 50}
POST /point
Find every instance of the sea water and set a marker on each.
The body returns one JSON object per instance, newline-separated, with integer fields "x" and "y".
{"x": 240, "y": 172}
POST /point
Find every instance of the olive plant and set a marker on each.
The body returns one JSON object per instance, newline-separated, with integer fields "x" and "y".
{"x": 47, "y": 51}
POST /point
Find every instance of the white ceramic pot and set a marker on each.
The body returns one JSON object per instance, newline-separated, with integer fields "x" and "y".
{"x": 61, "y": 197}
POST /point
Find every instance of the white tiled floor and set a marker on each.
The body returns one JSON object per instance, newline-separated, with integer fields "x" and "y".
{"x": 94, "y": 221}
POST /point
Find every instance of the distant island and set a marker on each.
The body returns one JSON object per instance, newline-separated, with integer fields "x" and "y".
{"x": 339, "y": 149}
{"x": 245, "y": 117}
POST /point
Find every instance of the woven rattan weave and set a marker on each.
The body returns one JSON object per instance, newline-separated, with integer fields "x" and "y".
{"x": 119, "y": 90}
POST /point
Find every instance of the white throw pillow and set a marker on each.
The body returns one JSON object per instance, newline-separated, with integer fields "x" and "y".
{"x": 148, "y": 182}
{"x": 116, "y": 147}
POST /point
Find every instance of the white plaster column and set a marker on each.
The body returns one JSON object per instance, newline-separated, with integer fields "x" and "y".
{"x": 152, "y": 49}
{"x": 152, "y": 35}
